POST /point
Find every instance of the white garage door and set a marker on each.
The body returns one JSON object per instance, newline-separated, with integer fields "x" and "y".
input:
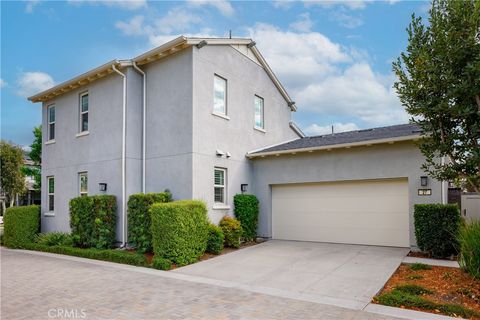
{"x": 372, "y": 212}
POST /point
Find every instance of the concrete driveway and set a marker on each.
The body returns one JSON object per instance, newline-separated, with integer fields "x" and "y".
{"x": 336, "y": 274}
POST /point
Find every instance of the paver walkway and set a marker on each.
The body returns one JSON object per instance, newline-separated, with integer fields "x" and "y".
{"x": 39, "y": 286}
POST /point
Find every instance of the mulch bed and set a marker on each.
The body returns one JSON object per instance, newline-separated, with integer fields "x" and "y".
{"x": 448, "y": 285}
{"x": 418, "y": 254}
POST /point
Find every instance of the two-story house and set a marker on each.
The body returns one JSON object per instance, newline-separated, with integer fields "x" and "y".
{"x": 207, "y": 119}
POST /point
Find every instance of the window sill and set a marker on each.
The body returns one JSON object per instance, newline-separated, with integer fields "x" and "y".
{"x": 260, "y": 129}
{"x": 82, "y": 134}
{"x": 50, "y": 142}
{"x": 223, "y": 116}
{"x": 49, "y": 214}
{"x": 221, "y": 207}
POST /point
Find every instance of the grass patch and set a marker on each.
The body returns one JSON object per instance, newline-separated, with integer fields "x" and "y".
{"x": 414, "y": 277}
{"x": 413, "y": 289}
{"x": 420, "y": 266}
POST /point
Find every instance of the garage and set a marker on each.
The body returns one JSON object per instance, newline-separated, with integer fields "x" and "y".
{"x": 370, "y": 212}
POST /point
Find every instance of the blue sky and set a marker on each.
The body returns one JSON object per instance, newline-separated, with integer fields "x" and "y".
{"x": 333, "y": 57}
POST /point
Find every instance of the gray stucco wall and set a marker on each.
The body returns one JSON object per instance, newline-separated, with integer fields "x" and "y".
{"x": 399, "y": 160}
{"x": 245, "y": 79}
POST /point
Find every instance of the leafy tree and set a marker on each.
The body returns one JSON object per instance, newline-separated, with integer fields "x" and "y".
{"x": 439, "y": 85}
{"x": 12, "y": 179}
{"x": 35, "y": 154}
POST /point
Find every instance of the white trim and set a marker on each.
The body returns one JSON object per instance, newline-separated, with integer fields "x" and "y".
{"x": 255, "y": 98}
{"x": 50, "y": 142}
{"x": 225, "y": 95}
{"x": 217, "y": 206}
{"x": 271, "y": 146}
{"x": 82, "y": 134}
{"x": 224, "y": 116}
{"x": 50, "y": 193}
{"x": 260, "y": 129}
{"x": 81, "y": 112}
{"x": 224, "y": 186}
{"x": 49, "y": 214}
{"x": 296, "y": 129}
{"x": 54, "y": 122}
{"x": 80, "y": 174}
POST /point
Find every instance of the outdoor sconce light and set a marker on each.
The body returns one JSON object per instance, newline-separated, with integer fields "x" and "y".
{"x": 219, "y": 153}
{"x": 423, "y": 181}
{"x": 243, "y": 187}
{"x": 202, "y": 44}
{"x": 102, "y": 186}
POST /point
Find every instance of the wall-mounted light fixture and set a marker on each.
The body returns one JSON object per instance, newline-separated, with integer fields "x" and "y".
{"x": 102, "y": 186}
{"x": 244, "y": 187}
{"x": 202, "y": 44}
{"x": 251, "y": 44}
{"x": 219, "y": 153}
{"x": 228, "y": 154}
{"x": 424, "y": 181}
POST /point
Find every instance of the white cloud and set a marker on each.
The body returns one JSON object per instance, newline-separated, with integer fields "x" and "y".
{"x": 351, "y": 4}
{"x": 345, "y": 20}
{"x": 30, "y": 83}
{"x": 225, "y": 7}
{"x": 133, "y": 27}
{"x": 283, "y": 4}
{"x": 3, "y": 83}
{"x": 122, "y": 4}
{"x": 303, "y": 24}
{"x": 31, "y": 5}
{"x": 176, "y": 19}
{"x": 316, "y": 130}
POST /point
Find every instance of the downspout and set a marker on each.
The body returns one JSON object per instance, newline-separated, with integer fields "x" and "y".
{"x": 124, "y": 155}
{"x": 144, "y": 106}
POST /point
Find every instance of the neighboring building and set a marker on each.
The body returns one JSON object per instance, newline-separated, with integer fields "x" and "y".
{"x": 188, "y": 116}
{"x": 32, "y": 195}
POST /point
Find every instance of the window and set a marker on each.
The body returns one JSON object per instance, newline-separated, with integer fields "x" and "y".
{"x": 219, "y": 95}
{"x": 259, "y": 113}
{"x": 83, "y": 183}
{"x": 51, "y": 122}
{"x": 220, "y": 186}
{"x": 84, "y": 112}
{"x": 51, "y": 194}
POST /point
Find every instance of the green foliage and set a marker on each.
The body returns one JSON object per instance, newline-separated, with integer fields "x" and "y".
{"x": 438, "y": 83}
{"x": 161, "y": 263}
{"x": 436, "y": 228}
{"x": 469, "y": 240}
{"x": 414, "y": 277}
{"x": 112, "y": 255}
{"x": 92, "y": 220}
{"x": 35, "y": 155}
{"x": 420, "y": 266}
{"x": 215, "y": 239}
{"x": 246, "y": 211}
{"x": 12, "y": 178}
{"x": 232, "y": 230}
{"x": 179, "y": 230}
{"x": 139, "y": 222}
{"x": 21, "y": 224}
{"x": 410, "y": 296}
{"x": 54, "y": 239}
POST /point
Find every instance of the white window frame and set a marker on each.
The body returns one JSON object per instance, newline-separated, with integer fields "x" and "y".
{"x": 80, "y": 175}
{"x": 262, "y": 127}
{"x": 50, "y": 211}
{"x": 225, "y": 98}
{"x": 224, "y": 186}
{"x": 84, "y": 112}
{"x": 49, "y": 130}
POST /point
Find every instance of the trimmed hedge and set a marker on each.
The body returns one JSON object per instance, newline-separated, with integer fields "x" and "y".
{"x": 470, "y": 248}
{"x": 161, "y": 263}
{"x": 21, "y": 224}
{"x": 232, "y": 230}
{"x": 112, "y": 255}
{"x": 436, "y": 228}
{"x": 215, "y": 239}
{"x": 54, "y": 239}
{"x": 92, "y": 220}
{"x": 246, "y": 211}
{"x": 179, "y": 230}
{"x": 139, "y": 222}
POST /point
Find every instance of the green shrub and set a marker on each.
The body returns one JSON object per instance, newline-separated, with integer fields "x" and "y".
{"x": 161, "y": 263}
{"x": 413, "y": 289}
{"x": 139, "y": 222}
{"x": 215, "y": 239}
{"x": 420, "y": 266}
{"x": 54, "y": 239}
{"x": 469, "y": 240}
{"x": 179, "y": 230}
{"x": 92, "y": 220}
{"x": 112, "y": 255}
{"x": 232, "y": 230}
{"x": 21, "y": 224}
{"x": 246, "y": 211}
{"x": 437, "y": 228}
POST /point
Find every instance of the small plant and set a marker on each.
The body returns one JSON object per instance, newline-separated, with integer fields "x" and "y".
{"x": 469, "y": 240}
{"x": 54, "y": 239}
{"x": 447, "y": 276}
{"x": 232, "y": 231}
{"x": 215, "y": 239}
{"x": 414, "y": 277}
{"x": 161, "y": 263}
{"x": 246, "y": 211}
{"x": 413, "y": 289}
{"x": 420, "y": 266}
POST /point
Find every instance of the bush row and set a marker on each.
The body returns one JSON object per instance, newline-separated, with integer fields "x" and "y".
{"x": 21, "y": 224}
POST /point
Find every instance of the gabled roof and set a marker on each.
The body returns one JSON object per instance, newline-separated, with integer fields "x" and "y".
{"x": 395, "y": 133}
{"x": 157, "y": 53}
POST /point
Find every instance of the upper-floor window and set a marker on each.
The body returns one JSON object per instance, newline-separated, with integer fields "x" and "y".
{"x": 84, "y": 112}
{"x": 259, "y": 113}
{"x": 51, "y": 194}
{"x": 83, "y": 183}
{"x": 51, "y": 122}
{"x": 219, "y": 95}
{"x": 220, "y": 191}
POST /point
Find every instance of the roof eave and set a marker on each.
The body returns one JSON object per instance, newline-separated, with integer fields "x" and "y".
{"x": 257, "y": 154}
